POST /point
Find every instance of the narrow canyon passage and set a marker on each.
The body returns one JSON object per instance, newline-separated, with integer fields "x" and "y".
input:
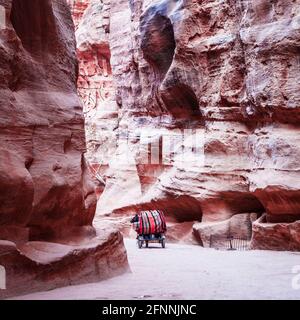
{"x": 192, "y": 272}
{"x": 111, "y": 108}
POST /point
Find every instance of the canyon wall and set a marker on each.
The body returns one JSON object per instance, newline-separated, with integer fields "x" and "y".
{"x": 47, "y": 195}
{"x": 223, "y": 73}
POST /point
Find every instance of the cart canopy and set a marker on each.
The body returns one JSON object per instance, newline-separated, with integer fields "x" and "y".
{"x": 150, "y": 222}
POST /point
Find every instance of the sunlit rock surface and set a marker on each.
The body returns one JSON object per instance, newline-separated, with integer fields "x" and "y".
{"x": 228, "y": 71}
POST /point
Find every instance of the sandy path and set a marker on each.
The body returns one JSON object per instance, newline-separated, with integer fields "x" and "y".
{"x": 192, "y": 272}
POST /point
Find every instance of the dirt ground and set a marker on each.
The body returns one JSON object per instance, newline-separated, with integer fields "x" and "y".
{"x": 192, "y": 272}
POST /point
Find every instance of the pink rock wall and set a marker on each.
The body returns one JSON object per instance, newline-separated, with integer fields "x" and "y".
{"x": 228, "y": 69}
{"x": 77, "y": 9}
{"x": 95, "y": 83}
{"x": 44, "y": 179}
{"x": 46, "y": 191}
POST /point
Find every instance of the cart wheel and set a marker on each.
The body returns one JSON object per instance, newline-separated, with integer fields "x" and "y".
{"x": 147, "y": 243}
{"x": 140, "y": 244}
{"x": 163, "y": 243}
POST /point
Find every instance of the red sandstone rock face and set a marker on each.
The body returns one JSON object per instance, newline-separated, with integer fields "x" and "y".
{"x": 276, "y": 236}
{"x": 43, "y": 172}
{"x": 46, "y": 192}
{"x": 95, "y": 82}
{"x": 227, "y": 68}
{"x": 45, "y": 265}
{"x": 217, "y": 234}
{"x": 77, "y": 8}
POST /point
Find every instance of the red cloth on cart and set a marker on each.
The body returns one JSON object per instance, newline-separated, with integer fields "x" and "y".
{"x": 151, "y": 222}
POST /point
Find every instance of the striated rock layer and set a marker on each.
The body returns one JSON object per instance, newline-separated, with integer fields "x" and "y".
{"x": 38, "y": 266}
{"x": 46, "y": 193}
{"x": 276, "y": 236}
{"x": 228, "y": 73}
